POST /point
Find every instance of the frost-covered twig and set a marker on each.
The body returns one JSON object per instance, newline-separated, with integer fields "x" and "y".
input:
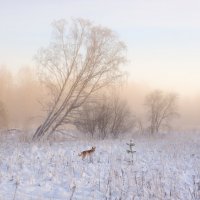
{"x": 16, "y": 187}
{"x": 73, "y": 191}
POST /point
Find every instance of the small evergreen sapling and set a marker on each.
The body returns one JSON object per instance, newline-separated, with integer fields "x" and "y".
{"x": 130, "y": 149}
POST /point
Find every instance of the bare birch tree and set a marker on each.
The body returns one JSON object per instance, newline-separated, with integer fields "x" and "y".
{"x": 81, "y": 59}
{"x": 161, "y": 108}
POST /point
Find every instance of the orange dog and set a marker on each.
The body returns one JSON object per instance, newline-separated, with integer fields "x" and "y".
{"x": 88, "y": 153}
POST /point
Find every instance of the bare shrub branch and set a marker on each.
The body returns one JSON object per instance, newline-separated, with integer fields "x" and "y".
{"x": 3, "y": 116}
{"x": 105, "y": 117}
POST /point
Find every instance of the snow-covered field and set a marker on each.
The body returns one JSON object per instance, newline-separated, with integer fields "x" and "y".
{"x": 163, "y": 168}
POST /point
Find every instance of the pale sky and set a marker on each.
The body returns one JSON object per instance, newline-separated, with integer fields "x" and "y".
{"x": 162, "y": 36}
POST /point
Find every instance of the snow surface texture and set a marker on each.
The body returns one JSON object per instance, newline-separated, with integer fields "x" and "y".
{"x": 162, "y": 169}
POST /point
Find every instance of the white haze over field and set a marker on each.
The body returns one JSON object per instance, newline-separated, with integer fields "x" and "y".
{"x": 24, "y": 108}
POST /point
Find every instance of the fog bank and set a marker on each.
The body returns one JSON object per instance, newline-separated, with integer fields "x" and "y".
{"x": 21, "y": 95}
